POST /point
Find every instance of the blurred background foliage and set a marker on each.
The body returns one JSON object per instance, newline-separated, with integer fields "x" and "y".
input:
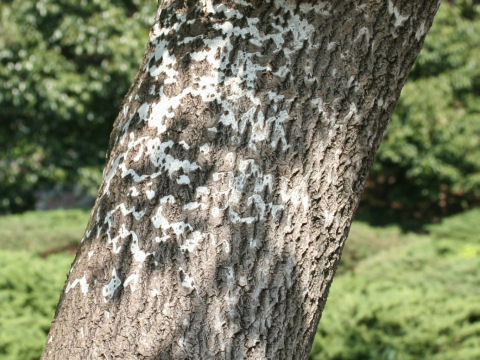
{"x": 64, "y": 68}
{"x": 429, "y": 162}
{"x": 66, "y": 64}
{"x": 416, "y": 301}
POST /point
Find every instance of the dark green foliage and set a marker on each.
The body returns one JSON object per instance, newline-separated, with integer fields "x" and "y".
{"x": 429, "y": 161}
{"x": 66, "y": 64}
{"x": 64, "y": 68}
{"x": 416, "y": 301}
{"x": 29, "y": 291}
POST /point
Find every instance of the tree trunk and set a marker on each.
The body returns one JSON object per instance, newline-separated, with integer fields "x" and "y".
{"x": 233, "y": 173}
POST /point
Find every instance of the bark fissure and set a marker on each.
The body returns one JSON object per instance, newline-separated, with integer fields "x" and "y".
{"x": 234, "y": 169}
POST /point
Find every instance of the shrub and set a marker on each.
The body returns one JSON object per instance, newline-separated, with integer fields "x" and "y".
{"x": 397, "y": 296}
{"x": 464, "y": 227}
{"x": 29, "y": 292}
{"x": 419, "y": 301}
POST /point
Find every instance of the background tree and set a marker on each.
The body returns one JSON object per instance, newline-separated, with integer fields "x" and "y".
{"x": 64, "y": 67}
{"x": 235, "y": 166}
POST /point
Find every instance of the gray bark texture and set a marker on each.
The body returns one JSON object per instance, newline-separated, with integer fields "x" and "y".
{"x": 234, "y": 169}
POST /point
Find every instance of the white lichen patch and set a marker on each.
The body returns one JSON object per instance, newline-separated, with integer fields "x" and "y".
{"x": 161, "y": 239}
{"x": 83, "y": 285}
{"x": 131, "y": 281}
{"x": 138, "y": 254}
{"x": 205, "y": 149}
{"x": 192, "y": 206}
{"x": 123, "y": 232}
{"x": 241, "y": 83}
{"x": 109, "y": 289}
{"x": 134, "y": 192}
{"x": 421, "y": 31}
{"x": 156, "y": 150}
{"x": 111, "y": 173}
{"x": 154, "y": 292}
{"x": 169, "y": 199}
{"x": 235, "y": 218}
{"x": 184, "y": 144}
{"x": 188, "y": 282}
{"x": 183, "y": 180}
{"x": 150, "y": 194}
{"x": 159, "y": 221}
{"x": 143, "y": 110}
{"x": 136, "y": 214}
{"x": 393, "y": 10}
{"x": 226, "y": 194}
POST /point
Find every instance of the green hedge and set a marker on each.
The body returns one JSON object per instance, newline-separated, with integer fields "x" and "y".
{"x": 29, "y": 291}
{"x": 397, "y": 296}
{"x": 417, "y": 301}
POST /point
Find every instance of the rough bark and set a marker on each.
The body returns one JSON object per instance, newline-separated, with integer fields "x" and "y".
{"x": 234, "y": 169}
